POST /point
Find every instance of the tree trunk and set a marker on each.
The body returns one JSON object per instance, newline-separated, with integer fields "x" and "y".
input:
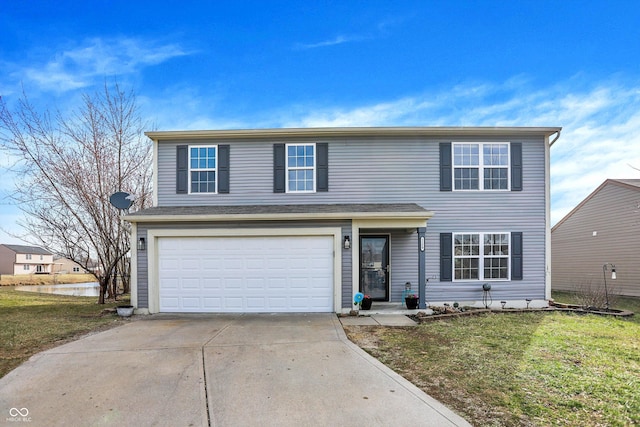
{"x": 126, "y": 288}
{"x": 104, "y": 284}
{"x": 114, "y": 283}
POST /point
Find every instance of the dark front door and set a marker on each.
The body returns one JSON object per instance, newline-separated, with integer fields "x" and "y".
{"x": 374, "y": 267}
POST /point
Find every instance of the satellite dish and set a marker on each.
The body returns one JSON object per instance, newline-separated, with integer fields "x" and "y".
{"x": 121, "y": 200}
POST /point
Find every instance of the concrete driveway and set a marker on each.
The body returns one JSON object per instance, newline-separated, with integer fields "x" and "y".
{"x": 219, "y": 370}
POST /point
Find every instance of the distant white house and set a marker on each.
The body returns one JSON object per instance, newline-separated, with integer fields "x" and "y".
{"x": 20, "y": 259}
{"x": 63, "y": 265}
{"x": 604, "y": 229}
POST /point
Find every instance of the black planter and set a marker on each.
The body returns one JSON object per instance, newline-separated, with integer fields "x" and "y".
{"x": 412, "y": 303}
{"x": 366, "y": 304}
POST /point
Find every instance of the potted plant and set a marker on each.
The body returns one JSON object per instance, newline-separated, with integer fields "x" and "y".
{"x": 412, "y": 301}
{"x": 366, "y": 302}
{"x": 124, "y": 310}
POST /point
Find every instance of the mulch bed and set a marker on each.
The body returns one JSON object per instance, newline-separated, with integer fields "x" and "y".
{"x": 443, "y": 313}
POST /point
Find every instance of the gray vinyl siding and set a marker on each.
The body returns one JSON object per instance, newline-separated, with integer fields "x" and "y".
{"x": 143, "y": 273}
{"x": 404, "y": 262}
{"x": 496, "y": 211}
{"x": 578, "y": 255}
{"x": 347, "y": 266}
{"x": 385, "y": 170}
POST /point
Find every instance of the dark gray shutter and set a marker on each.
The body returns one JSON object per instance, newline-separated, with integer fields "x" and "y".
{"x": 445, "y": 166}
{"x": 446, "y": 257}
{"x": 516, "y": 256}
{"x": 322, "y": 166}
{"x": 279, "y": 170}
{"x": 516, "y": 166}
{"x": 182, "y": 169}
{"x": 223, "y": 169}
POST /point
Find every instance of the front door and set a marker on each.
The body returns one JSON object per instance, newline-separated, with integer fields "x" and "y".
{"x": 374, "y": 267}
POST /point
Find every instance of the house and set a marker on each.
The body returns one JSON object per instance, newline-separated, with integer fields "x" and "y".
{"x": 301, "y": 220}
{"x": 19, "y": 259}
{"x": 603, "y": 230}
{"x": 62, "y": 265}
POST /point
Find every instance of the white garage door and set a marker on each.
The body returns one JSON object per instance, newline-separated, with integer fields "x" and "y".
{"x": 246, "y": 274}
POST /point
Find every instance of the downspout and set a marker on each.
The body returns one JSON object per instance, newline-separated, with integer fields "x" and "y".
{"x": 556, "y": 138}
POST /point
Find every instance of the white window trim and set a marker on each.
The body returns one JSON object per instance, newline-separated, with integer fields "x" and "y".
{"x": 480, "y": 166}
{"x": 287, "y": 169}
{"x": 481, "y": 256}
{"x": 189, "y": 169}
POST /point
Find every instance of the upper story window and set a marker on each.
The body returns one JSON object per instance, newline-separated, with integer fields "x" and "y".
{"x": 301, "y": 167}
{"x": 202, "y": 169}
{"x": 481, "y": 166}
{"x": 28, "y": 256}
{"x": 481, "y": 256}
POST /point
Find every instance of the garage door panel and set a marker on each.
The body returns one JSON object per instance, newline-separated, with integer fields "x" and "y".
{"x": 212, "y": 303}
{"x": 232, "y": 284}
{"x": 211, "y": 283}
{"x": 246, "y": 274}
{"x": 277, "y": 284}
{"x": 191, "y": 302}
{"x": 233, "y": 303}
{"x": 170, "y": 302}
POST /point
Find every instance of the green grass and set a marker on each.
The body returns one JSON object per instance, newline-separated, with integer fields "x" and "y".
{"x": 512, "y": 369}
{"x": 32, "y": 322}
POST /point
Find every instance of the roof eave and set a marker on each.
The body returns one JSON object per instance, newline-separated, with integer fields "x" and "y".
{"x": 423, "y": 215}
{"x": 349, "y": 131}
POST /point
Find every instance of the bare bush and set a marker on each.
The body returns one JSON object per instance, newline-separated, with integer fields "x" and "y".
{"x": 590, "y": 294}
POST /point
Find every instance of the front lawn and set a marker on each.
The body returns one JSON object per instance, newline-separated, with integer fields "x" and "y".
{"x": 33, "y": 322}
{"x": 510, "y": 369}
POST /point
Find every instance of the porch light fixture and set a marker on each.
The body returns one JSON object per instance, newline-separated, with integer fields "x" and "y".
{"x": 613, "y": 277}
{"x": 347, "y": 242}
{"x": 142, "y": 244}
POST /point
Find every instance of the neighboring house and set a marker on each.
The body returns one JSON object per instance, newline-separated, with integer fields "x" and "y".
{"x": 19, "y": 259}
{"x": 63, "y": 265}
{"x": 301, "y": 220}
{"x": 603, "y": 229}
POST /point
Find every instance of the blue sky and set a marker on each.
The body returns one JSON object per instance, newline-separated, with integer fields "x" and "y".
{"x": 260, "y": 64}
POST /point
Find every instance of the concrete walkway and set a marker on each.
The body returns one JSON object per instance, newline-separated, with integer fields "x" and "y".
{"x": 219, "y": 370}
{"x": 378, "y": 320}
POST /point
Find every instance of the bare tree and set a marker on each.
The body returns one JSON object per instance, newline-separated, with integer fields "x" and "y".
{"x": 67, "y": 168}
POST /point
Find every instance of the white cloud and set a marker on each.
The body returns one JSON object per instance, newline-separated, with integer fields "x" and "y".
{"x": 381, "y": 29}
{"x": 600, "y": 137}
{"x": 331, "y": 42}
{"x": 94, "y": 59}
